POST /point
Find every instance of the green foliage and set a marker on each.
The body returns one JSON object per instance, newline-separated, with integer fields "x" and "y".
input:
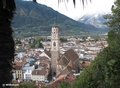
{"x": 39, "y": 45}
{"x": 113, "y": 39}
{"x": 104, "y": 71}
{"x": 38, "y": 38}
{"x": 63, "y": 39}
{"x": 36, "y": 42}
{"x": 114, "y": 18}
{"x": 64, "y": 84}
{"x": 36, "y": 19}
{"x": 44, "y": 87}
{"x": 32, "y": 45}
{"x": 27, "y": 85}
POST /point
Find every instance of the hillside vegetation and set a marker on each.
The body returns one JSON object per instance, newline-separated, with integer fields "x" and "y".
{"x": 33, "y": 19}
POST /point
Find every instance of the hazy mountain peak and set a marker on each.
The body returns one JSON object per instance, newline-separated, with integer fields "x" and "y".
{"x": 96, "y": 19}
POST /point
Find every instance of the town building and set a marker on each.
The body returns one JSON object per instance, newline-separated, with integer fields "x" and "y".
{"x": 68, "y": 63}
{"x": 39, "y": 75}
{"x": 27, "y": 71}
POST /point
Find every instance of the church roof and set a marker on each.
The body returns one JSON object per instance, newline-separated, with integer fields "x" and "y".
{"x": 67, "y": 60}
{"x": 71, "y": 55}
{"x": 71, "y": 64}
{"x": 63, "y": 61}
{"x": 68, "y": 69}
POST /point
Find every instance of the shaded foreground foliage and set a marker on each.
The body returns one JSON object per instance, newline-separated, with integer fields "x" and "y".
{"x": 104, "y": 71}
{"x": 26, "y": 85}
{"x": 7, "y": 9}
{"x": 64, "y": 84}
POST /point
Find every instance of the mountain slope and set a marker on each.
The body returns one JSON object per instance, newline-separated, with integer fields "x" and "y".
{"x": 95, "y": 19}
{"x": 32, "y": 19}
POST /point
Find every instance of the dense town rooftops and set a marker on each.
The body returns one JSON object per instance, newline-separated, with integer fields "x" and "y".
{"x": 65, "y": 77}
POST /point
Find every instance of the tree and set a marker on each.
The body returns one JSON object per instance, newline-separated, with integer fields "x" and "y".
{"x": 44, "y": 87}
{"x": 114, "y": 18}
{"x": 31, "y": 45}
{"x": 26, "y": 85}
{"x": 64, "y": 84}
{"x": 104, "y": 71}
{"x": 63, "y": 39}
{"x": 38, "y": 38}
{"x": 39, "y": 45}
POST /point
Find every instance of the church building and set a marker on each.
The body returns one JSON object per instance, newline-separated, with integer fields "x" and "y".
{"x": 67, "y": 63}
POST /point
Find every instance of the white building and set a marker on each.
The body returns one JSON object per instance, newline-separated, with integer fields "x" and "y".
{"x": 27, "y": 71}
{"x": 39, "y": 75}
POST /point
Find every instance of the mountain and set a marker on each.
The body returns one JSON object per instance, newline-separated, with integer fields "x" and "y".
{"x": 33, "y": 19}
{"x": 95, "y": 19}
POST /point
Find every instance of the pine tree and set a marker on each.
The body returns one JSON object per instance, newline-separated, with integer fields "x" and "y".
{"x": 114, "y": 18}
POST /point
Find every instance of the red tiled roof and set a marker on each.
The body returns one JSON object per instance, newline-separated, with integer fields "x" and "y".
{"x": 65, "y": 77}
{"x": 39, "y": 72}
{"x": 67, "y": 70}
{"x": 38, "y": 53}
{"x": 19, "y": 65}
{"x": 47, "y": 62}
{"x": 67, "y": 56}
{"x": 43, "y": 58}
{"x": 15, "y": 82}
{"x": 48, "y": 53}
{"x": 85, "y": 64}
{"x": 71, "y": 64}
{"x": 71, "y": 55}
{"x": 43, "y": 64}
{"x": 38, "y": 83}
{"x": 63, "y": 61}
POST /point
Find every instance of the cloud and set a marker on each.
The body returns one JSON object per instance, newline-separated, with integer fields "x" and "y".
{"x": 75, "y": 13}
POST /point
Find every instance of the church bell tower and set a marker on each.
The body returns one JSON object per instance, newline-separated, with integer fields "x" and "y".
{"x": 54, "y": 49}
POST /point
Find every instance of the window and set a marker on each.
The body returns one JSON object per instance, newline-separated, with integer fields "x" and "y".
{"x": 54, "y": 44}
{"x": 28, "y": 71}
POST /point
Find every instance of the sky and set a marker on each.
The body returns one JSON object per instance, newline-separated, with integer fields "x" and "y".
{"x": 68, "y": 9}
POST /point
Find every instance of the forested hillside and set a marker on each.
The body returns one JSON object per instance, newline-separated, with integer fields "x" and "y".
{"x": 36, "y": 19}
